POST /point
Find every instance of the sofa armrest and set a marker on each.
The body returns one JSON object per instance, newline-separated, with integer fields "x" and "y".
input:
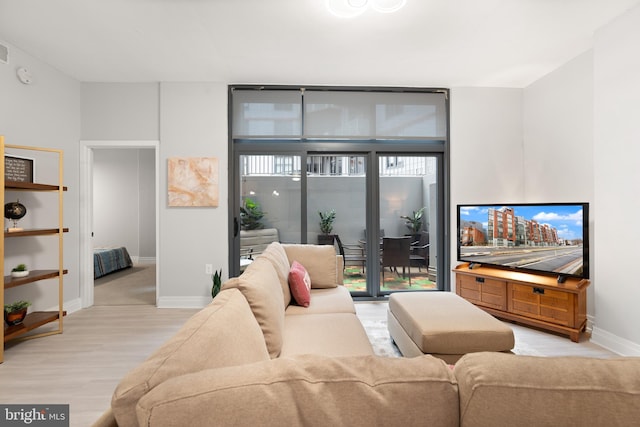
{"x": 507, "y": 390}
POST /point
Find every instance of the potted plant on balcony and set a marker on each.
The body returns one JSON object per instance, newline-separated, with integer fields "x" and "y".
{"x": 326, "y": 227}
{"x": 414, "y": 222}
{"x": 251, "y": 215}
{"x": 15, "y": 313}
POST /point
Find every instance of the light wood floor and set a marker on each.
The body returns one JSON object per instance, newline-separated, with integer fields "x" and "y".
{"x": 132, "y": 286}
{"x": 101, "y": 344}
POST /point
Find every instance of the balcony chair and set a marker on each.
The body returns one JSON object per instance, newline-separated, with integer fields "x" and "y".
{"x": 396, "y": 253}
{"x": 420, "y": 251}
{"x": 351, "y": 253}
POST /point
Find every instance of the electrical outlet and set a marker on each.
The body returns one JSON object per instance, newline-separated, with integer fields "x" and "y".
{"x": 208, "y": 269}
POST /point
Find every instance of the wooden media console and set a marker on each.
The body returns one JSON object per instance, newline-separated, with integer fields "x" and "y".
{"x": 532, "y": 299}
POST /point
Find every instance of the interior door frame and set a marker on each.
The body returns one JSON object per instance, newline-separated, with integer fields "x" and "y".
{"x": 86, "y": 210}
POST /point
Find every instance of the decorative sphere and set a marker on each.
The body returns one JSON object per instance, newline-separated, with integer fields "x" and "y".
{"x": 14, "y": 210}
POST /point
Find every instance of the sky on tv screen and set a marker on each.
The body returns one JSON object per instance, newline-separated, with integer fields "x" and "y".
{"x": 567, "y": 219}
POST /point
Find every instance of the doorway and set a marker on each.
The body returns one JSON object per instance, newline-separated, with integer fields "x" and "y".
{"x": 119, "y": 209}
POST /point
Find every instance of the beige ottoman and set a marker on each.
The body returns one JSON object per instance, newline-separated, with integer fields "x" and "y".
{"x": 444, "y": 325}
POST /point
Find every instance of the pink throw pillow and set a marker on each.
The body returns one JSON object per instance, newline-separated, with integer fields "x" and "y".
{"x": 300, "y": 284}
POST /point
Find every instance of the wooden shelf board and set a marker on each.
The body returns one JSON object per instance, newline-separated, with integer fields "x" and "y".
{"x": 30, "y": 186}
{"x": 31, "y": 322}
{"x": 34, "y": 276}
{"x": 34, "y": 232}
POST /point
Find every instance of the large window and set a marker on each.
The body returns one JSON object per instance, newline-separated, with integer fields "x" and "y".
{"x": 375, "y": 157}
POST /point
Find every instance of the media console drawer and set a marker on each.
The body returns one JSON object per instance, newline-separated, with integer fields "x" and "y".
{"x": 531, "y": 299}
{"x": 541, "y": 303}
{"x": 483, "y": 291}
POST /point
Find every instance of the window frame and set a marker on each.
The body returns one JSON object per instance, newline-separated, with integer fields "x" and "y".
{"x": 301, "y": 146}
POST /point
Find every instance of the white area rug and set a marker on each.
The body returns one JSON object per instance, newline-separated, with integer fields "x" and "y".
{"x": 378, "y": 334}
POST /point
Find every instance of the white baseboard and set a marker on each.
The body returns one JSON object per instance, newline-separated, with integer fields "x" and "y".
{"x": 590, "y": 323}
{"x": 144, "y": 260}
{"x": 183, "y": 302}
{"x": 612, "y": 342}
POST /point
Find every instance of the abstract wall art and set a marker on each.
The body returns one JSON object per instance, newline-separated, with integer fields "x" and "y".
{"x": 193, "y": 181}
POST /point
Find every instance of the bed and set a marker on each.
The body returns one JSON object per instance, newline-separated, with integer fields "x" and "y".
{"x": 108, "y": 260}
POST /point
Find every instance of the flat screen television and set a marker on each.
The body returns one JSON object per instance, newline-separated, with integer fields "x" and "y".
{"x": 541, "y": 238}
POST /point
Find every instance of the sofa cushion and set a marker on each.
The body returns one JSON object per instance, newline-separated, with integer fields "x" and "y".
{"x": 309, "y": 390}
{"x": 300, "y": 284}
{"x": 319, "y": 260}
{"x": 224, "y": 333}
{"x": 516, "y": 391}
{"x": 329, "y": 300}
{"x": 261, "y": 287}
{"x": 278, "y": 258}
{"x": 337, "y": 334}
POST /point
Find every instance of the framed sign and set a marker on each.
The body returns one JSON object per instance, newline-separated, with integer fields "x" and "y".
{"x": 19, "y": 169}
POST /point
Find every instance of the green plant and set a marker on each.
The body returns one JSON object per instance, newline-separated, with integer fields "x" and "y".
{"x": 251, "y": 215}
{"x": 20, "y": 267}
{"x": 16, "y": 306}
{"x": 217, "y": 283}
{"x": 326, "y": 221}
{"x": 414, "y": 221}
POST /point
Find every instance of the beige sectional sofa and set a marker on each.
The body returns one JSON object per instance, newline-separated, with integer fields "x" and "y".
{"x": 252, "y": 357}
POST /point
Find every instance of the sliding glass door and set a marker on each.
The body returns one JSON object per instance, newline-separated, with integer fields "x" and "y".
{"x": 330, "y": 202}
{"x": 337, "y": 195}
{"x": 408, "y": 188}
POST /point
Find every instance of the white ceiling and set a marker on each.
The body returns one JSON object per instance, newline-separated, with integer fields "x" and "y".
{"x": 502, "y": 43}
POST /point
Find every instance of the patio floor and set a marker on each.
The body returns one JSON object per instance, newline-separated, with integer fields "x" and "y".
{"x": 355, "y": 280}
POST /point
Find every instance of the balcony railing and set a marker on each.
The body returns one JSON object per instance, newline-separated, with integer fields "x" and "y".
{"x": 284, "y": 165}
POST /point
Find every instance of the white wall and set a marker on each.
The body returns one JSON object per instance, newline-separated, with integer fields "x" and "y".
{"x": 124, "y": 200}
{"x": 486, "y": 145}
{"x": 558, "y": 142}
{"x": 558, "y": 134}
{"x": 45, "y": 114}
{"x": 193, "y": 123}
{"x": 121, "y": 111}
{"x": 616, "y": 179}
